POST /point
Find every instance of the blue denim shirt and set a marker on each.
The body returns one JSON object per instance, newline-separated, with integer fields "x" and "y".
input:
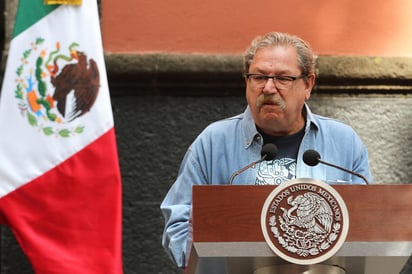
{"x": 228, "y": 145}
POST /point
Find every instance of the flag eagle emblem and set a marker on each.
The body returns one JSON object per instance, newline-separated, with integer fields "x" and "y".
{"x": 54, "y": 87}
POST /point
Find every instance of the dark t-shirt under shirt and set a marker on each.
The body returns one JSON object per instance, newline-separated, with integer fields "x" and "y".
{"x": 283, "y": 167}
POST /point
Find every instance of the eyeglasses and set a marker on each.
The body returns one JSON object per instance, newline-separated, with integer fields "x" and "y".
{"x": 281, "y": 82}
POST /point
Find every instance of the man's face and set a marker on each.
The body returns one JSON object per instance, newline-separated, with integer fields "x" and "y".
{"x": 277, "y": 108}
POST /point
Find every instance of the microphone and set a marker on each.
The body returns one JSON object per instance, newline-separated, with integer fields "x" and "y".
{"x": 312, "y": 158}
{"x": 268, "y": 152}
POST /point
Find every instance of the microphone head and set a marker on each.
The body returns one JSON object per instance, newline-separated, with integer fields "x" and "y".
{"x": 270, "y": 150}
{"x": 311, "y": 157}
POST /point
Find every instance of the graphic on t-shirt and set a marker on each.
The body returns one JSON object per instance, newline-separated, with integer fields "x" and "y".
{"x": 276, "y": 171}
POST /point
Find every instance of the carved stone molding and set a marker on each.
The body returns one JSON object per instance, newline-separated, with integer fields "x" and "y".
{"x": 221, "y": 75}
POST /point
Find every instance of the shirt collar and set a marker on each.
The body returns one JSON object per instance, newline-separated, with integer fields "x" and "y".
{"x": 250, "y": 132}
{"x": 249, "y": 128}
{"x": 310, "y": 118}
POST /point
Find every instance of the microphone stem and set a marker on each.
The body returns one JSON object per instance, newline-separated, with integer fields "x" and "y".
{"x": 244, "y": 168}
{"x": 346, "y": 170}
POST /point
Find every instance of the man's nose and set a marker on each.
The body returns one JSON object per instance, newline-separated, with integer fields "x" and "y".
{"x": 270, "y": 87}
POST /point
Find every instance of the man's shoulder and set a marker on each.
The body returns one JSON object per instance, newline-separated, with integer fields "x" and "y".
{"x": 220, "y": 132}
{"x": 330, "y": 122}
{"x": 226, "y": 123}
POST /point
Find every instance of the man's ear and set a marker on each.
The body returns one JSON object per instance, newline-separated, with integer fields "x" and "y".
{"x": 310, "y": 83}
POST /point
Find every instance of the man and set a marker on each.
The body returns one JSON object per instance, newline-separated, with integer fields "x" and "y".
{"x": 279, "y": 75}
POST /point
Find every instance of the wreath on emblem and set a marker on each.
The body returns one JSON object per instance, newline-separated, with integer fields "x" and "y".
{"x": 308, "y": 232}
{"x": 46, "y": 82}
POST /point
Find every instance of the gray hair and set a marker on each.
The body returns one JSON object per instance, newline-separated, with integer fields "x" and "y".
{"x": 306, "y": 57}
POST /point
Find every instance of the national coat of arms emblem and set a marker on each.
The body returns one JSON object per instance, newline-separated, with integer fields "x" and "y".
{"x": 55, "y": 87}
{"x": 304, "y": 221}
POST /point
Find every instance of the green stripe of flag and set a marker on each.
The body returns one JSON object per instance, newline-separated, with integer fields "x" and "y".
{"x": 29, "y": 12}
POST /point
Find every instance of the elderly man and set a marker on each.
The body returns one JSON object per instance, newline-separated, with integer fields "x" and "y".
{"x": 279, "y": 75}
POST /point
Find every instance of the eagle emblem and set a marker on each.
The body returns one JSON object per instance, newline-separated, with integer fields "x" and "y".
{"x": 55, "y": 87}
{"x": 304, "y": 221}
{"x": 309, "y": 211}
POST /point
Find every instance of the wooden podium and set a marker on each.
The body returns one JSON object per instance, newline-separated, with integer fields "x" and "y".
{"x": 227, "y": 236}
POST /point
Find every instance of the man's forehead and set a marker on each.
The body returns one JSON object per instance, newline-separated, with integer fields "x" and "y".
{"x": 281, "y": 57}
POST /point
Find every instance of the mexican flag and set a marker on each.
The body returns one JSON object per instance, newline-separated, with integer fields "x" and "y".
{"x": 60, "y": 186}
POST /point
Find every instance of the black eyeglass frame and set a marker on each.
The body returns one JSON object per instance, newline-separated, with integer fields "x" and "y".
{"x": 278, "y": 77}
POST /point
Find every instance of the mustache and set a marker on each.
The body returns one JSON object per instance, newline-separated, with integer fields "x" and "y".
{"x": 270, "y": 99}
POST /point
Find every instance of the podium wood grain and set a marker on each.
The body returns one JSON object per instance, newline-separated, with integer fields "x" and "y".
{"x": 377, "y": 213}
